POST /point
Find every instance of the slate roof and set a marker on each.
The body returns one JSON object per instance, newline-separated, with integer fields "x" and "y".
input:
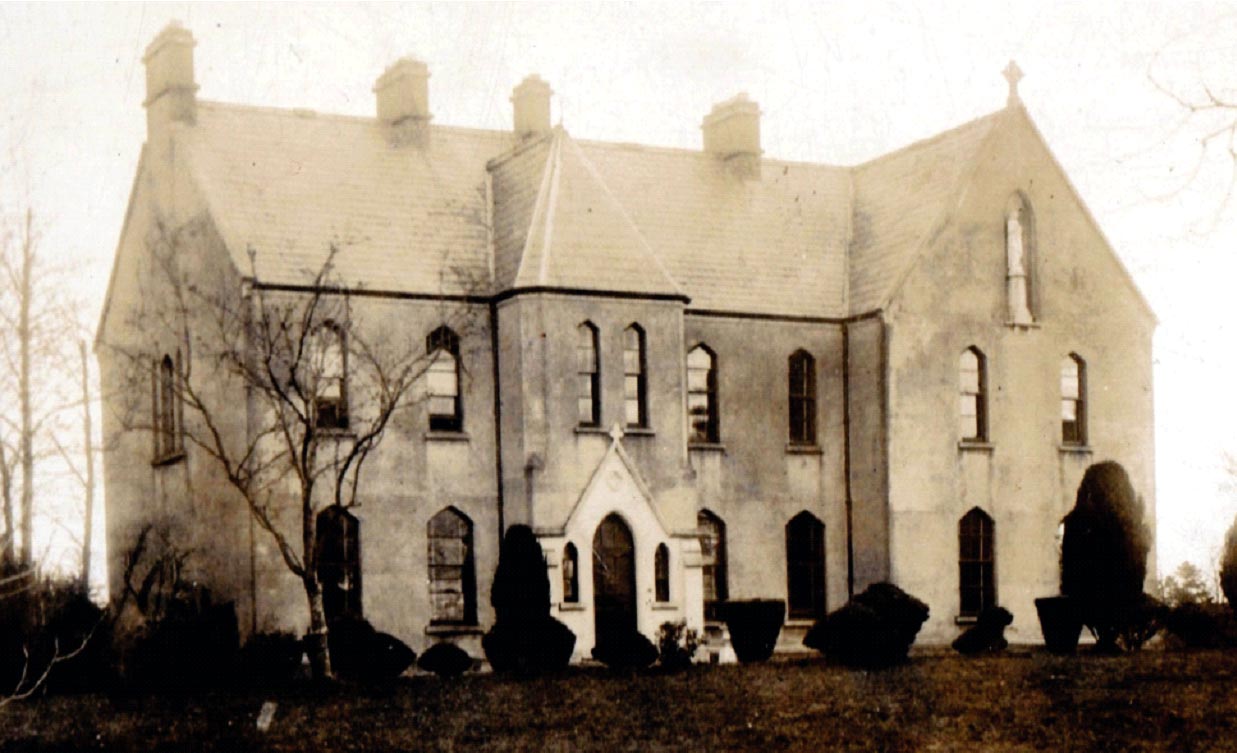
{"x": 799, "y": 240}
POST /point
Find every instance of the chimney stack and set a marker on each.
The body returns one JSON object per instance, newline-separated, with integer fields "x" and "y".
{"x": 403, "y": 101}
{"x": 732, "y": 134}
{"x": 171, "y": 92}
{"x": 531, "y": 107}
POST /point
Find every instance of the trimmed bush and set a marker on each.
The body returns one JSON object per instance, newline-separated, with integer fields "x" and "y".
{"x": 676, "y": 646}
{"x": 1202, "y": 625}
{"x": 271, "y": 658}
{"x": 1060, "y": 620}
{"x": 525, "y": 638}
{"x": 1228, "y": 567}
{"x": 987, "y": 634}
{"x": 193, "y": 645}
{"x": 445, "y": 660}
{"x": 1104, "y": 557}
{"x": 874, "y": 629}
{"x": 754, "y": 626}
{"x": 627, "y": 651}
{"x": 361, "y": 653}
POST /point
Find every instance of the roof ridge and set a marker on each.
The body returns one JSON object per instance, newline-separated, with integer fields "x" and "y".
{"x": 303, "y": 113}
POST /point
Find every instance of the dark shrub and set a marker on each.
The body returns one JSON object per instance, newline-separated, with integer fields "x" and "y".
{"x": 626, "y": 651}
{"x": 1104, "y": 556}
{"x": 1228, "y": 567}
{"x": 194, "y": 645}
{"x": 676, "y": 646}
{"x": 874, "y": 629}
{"x": 1060, "y": 620}
{"x": 987, "y": 634}
{"x": 1202, "y": 625}
{"x": 271, "y": 658}
{"x": 525, "y": 638}
{"x": 529, "y": 648}
{"x": 50, "y": 619}
{"x": 754, "y": 626}
{"x": 445, "y": 660}
{"x": 1138, "y": 621}
{"x": 358, "y": 652}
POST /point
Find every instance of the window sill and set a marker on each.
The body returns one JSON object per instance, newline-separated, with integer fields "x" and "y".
{"x": 803, "y": 449}
{"x": 638, "y": 431}
{"x": 1075, "y": 449}
{"x": 968, "y": 445}
{"x": 665, "y": 606}
{"x": 801, "y": 622}
{"x": 1023, "y": 325}
{"x": 570, "y": 606}
{"x": 446, "y": 436}
{"x": 966, "y": 619}
{"x": 335, "y": 432}
{"x": 169, "y": 459}
{"x": 598, "y": 430}
{"x": 707, "y": 446}
{"x": 446, "y": 628}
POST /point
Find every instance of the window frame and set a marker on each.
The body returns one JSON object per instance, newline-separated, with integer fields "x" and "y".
{"x": 712, "y": 432}
{"x": 467, "y": 567}
{"x": 802, "y": 422}
{"x": 167, "y": 418}
{"x": 337, "y": 520}
{"x": 571, "y": 574}
{"x": 661, "y": 574}
{"x": 640, "y": 375}
{"x": 1019, "y": 207}
{"x": 806, "y": 556}
{"x": 590, "y": 376}
{"x": 445, "y": 341}
{"x": 340, "y": 411}
{"x": 979, "y": 525}
{"x": 714, "y": 575}
{"x": 1078, "y": 437}
{"x": 979, "y": 395}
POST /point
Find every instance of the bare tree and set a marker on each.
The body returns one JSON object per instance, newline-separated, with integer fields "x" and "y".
{"x": 321, "y": 389}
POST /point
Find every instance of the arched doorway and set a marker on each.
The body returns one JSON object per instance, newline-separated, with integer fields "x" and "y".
{"x": 614, "y": 580}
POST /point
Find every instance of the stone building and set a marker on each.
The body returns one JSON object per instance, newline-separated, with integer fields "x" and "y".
{"x": 696, "y": 374}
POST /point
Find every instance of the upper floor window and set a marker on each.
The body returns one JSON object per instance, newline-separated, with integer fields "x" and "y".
{"x": 445, "y": 407}
{"x": 972, "y": 396}
{"x": 588, "y": 376}
{"x": 976, "y": 568}
{"x": 166, "y": 409}
{"x": 802, "y": 378}
{"x": 661, "y": 573}
{"x": 453, "y": 578}
{"x": 571, "y": 574}
{"x": 1019, "y": 260}
{"x": 712, "y": 533}
{"x": 1073, "y": 400}
{"x": 635, "y": 382}
{"x": 328, "y": 377}
{"x": 702, "y": 395}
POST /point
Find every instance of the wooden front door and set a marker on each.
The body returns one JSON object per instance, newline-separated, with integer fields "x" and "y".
{"x": 614, "y": 580}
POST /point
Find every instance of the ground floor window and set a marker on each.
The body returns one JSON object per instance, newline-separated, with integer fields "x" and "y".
{"x": 712, "y": 533}
{"x": 338, "y": 544}
{"x": 976, "y": 565}
{"x": 661, "y": 573}
{"x": 453, "y": 580}
{"x": 805, "y": 567}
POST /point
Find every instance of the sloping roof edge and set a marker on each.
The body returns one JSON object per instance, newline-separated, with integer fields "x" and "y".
{"x": 124, "y": 230}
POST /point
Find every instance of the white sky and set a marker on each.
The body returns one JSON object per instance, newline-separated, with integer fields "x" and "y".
{"x": 839, "y": 82}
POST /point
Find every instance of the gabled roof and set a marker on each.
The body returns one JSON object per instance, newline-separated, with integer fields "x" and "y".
{"x": 900, "y": 199}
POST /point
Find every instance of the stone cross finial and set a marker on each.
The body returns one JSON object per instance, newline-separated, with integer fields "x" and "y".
{"x": 617, "y": 432}
{"x": 1012, "y": 74}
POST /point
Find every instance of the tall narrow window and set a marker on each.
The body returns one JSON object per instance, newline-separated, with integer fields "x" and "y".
{"x": 802, "y": 378}
{"x": 1019, "y": 260}
{"x": 635, "y": 384}
{"x": 328, "y": 377}
{"x": 1073, "y": 400}
{"x": 571, "y": 574}
{"x": 702, "y": 395}
{"x": 588, "y": 376}
{"x": 339, "y": 562}
{"x": 805, "y": 567}
{"x": 661, "y": 573}
{"x": 443, "y": 376}
{"x": 712, "y": 533}
{"x": 976, "y": 577}
{"x": 166, "y": 410}
{"x": 972, "y": 396}
{"x": 453, "y": 579}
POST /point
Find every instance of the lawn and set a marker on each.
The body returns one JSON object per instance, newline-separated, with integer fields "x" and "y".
{"x": 1155, "y": 700}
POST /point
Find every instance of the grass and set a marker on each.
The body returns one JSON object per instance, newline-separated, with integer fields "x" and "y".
{"x": 1163, "y": 700}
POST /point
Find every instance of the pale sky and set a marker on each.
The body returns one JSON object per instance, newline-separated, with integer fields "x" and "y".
{"x": 838, "y": 82}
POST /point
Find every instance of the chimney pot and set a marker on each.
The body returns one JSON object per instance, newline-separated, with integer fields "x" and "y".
{"x": 531, "y": 107}
{"x": 732, "y": 133}
{"x": 402, "y": 93}
{"x": 171, "y": 91}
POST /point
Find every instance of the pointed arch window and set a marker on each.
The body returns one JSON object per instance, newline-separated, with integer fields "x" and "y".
{"x": 328, "y": 377}
{"x": 972, "y": 396}
{"x": 712, "y": 533}
{"x": 805, "y": 567}
{"x": 588, "y": 376}
{"x": 338, "y": 537}
{"x": 702, "y": 395}
{"x": 452, "y": 575}
{"x": 571, "y": 574}
{"x": 1019, "y": 261}
{"x": 166, "y": 409}
{"x": 661, "y": 573}
{"x": 1073, "y": 400}
{"x": 801, "y": 373}
{"x": 635, "y": 380}
{"x": 446, "y": 409}
{"x": 976, "y": 564}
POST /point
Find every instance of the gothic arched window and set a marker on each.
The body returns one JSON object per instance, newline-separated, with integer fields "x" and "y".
{"x": 453, "y": 579}
{"x": 588, "y": 376}
{"x": 805, "y": 567}
{"x": 702, "y": 395}
{"x": 661, "y": 573}
{"x": 972, "y": 396}
{"x": 1020, "y": 261}
{"x": 976, "y": 565}
{"x": 445, "y": 406}
{"x": 712, "y": 533}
